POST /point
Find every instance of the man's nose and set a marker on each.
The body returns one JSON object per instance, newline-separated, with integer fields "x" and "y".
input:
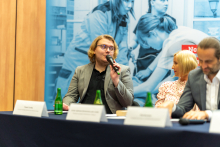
{"x": 203, "y": 65}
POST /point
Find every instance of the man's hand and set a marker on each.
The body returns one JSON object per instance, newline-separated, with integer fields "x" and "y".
{"x": 65, "y": 107}
{"x": 167, "y": 104}
{"x": 114, "y": 75}
{"x": 196, "y": 115}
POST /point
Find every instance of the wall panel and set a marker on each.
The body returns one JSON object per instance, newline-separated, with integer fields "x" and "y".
{"x": 7, "y": 53}
{"x": 30, "y": 50}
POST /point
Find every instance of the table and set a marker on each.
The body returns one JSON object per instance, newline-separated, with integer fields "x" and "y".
{"x": 28, "y": 131}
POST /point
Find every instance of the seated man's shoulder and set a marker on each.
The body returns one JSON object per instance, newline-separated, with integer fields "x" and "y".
{"x": 83, "y": 67}
{"x": 197, "y": 71}
{"x": 124, "y": 68}
{"x": 195, "y": 74}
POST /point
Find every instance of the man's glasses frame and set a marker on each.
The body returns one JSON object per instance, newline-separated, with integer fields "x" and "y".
{"x": 105, "y": 47}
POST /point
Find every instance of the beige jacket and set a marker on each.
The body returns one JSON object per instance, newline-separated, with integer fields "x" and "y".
{"x": 116, "y": 98}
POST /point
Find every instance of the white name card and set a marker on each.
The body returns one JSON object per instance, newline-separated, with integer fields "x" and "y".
{"x": 215, "y": 121}
{"x": 86, "y": 112}
{"x": 153, "y": 117}
{"x": 30, "y": 108}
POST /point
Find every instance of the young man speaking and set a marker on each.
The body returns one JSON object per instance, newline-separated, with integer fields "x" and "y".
{"x": 116, "y": 90}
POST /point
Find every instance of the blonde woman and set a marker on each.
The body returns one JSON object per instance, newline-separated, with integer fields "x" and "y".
{"x": 183, "y": 62}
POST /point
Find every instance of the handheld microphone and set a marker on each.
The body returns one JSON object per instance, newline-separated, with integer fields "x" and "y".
{"x": 110, "y": 60}
{"x": 184, "y": 121}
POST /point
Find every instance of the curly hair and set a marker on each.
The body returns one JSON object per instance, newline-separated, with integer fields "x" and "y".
{"x": 93, "y": 46}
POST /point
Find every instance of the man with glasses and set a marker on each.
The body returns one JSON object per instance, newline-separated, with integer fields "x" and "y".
{"x": 116, "y": 90}
{"x": 112, "y": 18}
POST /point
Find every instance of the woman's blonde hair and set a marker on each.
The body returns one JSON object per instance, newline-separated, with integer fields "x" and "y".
{"x": 187, "y": 61}
{"x": 93, "y": 46}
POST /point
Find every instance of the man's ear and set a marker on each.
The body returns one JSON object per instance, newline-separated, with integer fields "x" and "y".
{"x": 93, "y": 52}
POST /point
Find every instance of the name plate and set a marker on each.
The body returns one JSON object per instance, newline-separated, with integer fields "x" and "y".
{"x": 215, "y": 121}
{"x": 153, "y": 117}
{"x": 86, "y": 112}
{"x": 30, "y": 108}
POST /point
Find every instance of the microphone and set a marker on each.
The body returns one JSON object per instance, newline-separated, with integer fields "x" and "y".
{"x": 184, "y": 121}
{"x": 110, "y": 60}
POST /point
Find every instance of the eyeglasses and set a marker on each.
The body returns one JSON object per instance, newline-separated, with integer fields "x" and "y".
{"x": 105, "y": 47}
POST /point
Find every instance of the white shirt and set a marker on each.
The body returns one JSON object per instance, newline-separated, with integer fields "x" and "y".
{"x": 211, "y": 94}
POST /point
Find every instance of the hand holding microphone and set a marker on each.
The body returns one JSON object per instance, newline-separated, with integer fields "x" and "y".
{"x": 111, "y": 61}
{"x": 115, "y": 70}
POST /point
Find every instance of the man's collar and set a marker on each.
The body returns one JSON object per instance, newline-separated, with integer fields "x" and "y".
{"x": 102, "y": 71}
{"x": 217, "y": 76}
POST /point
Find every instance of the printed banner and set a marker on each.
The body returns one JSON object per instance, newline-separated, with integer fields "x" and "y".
{"x": 140, "y": 29}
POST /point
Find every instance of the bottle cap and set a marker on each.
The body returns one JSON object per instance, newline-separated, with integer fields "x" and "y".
{"x": 98, "y": 91}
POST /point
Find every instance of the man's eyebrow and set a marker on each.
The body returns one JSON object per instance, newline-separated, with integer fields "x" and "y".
{"x": 205, "y": 60}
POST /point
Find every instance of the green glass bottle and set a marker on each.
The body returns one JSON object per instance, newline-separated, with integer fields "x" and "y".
{"x": 98, "y": 99}
{"x": 148, "y": 102}
{"x": 58, "y": 103}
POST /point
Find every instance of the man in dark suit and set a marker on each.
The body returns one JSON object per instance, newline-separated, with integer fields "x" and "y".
{"x": 202, "y": 86}
{"x": 116, "y": 90}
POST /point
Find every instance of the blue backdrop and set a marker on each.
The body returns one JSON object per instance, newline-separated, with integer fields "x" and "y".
{"x": 71, "y": 26}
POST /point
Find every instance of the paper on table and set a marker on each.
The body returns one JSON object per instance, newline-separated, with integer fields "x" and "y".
{"x": 110, "y": 115}
{"x": 30, "y": 108}
{"x": 174, "y": 119}
{"x": 86, "y": 112}
{"x": 116, "y": 117}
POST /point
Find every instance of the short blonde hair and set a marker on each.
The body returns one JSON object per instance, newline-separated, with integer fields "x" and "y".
{"x": 187, "y": 61}
{"x": 93, "y": 46}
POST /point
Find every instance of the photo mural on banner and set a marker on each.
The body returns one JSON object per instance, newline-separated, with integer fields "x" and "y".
{"x": 148, "y": 34}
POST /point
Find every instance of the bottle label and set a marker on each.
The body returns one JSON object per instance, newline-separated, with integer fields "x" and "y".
{"x": 58, "y": 108}
{"x": 98, "y": 102}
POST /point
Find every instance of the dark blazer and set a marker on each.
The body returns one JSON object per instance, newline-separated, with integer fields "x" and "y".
{"x": 194, "y": 92}
{"x": 116, "y": 98}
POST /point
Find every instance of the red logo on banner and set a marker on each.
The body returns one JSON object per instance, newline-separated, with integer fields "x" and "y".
{"x": 192, "y": 48}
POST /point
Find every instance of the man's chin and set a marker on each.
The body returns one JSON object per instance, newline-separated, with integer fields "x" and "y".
{"x": 206, "y": 72}
{"x": 106, "y": 63}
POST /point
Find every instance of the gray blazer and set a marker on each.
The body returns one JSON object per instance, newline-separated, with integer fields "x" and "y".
{"x": 116, "y": 98}
{"x": 194, "y": 92}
